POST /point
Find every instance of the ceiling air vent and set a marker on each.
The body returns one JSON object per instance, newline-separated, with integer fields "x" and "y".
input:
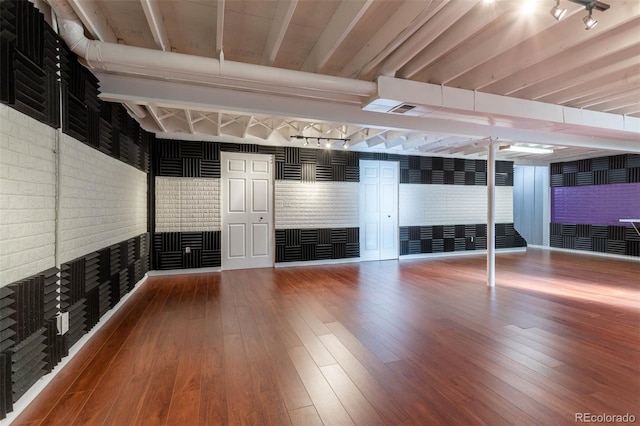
{"x": 402, "y": 109}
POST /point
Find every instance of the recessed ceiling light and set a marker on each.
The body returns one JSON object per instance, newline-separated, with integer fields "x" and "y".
{"x": 527, "y": 149}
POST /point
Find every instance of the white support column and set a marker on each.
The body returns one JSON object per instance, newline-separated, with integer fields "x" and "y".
{"x": 491, "y": 215}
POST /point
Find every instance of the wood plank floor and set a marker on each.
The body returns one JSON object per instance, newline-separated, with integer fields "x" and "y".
{"x": 409, "y": 342}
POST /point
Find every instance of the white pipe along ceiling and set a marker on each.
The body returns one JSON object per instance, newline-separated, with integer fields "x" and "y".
{"x": 362, "y": 104}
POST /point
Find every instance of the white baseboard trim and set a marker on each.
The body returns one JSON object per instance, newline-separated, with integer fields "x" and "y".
{"x": 317, "y": 262}
{"x": 31, "y": 394}
{"x": 460, "y": 253}
{"x": 167, "y": 272}
{"x": 589, "y": 253}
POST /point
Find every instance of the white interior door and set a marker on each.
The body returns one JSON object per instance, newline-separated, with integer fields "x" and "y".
{"x": 378, "y": 210}
{"x": 247, "y": 210}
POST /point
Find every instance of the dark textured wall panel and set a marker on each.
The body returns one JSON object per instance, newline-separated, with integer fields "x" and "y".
{"x": 449, "y": 238}
{"x": 611, "y": 239}
{"x": 293, "y": 245}
{"x": 170, "y": 250}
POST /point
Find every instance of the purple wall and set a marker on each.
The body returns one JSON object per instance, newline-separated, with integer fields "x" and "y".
{"x": 595, "y": 204}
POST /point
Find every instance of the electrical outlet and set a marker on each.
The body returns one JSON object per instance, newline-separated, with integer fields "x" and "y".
{"x": 187, "y": 250}
{"x": 62, "y": 322}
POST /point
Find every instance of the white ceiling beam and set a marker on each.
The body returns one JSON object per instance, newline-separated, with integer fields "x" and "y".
{"x": 376, "y": 140}
{"x": 466, "y": 28}
{"x": 619, "y": 80}
{"x": 276, "y": 125}
{"x": 248, "y": 121}
{"x": 171, "y": 94}
{"x": 625, "y": 100}
{"x": 416, "y": 143}
{"x": 345, "y": 18}
{"x": 279, "y": 26}
{"x": 480, "y": 72}
{"x": 365, "y": 136}
{"x": 154, "y": 19}
{"x": 218, "y": 124}
{"x": 386, "y": 39}
{"x": 94, "y": 20}
{"x": 404, "y": 139}
{"x": 154, "y": 110}
{"x": 219, "y": 27}
{"x": 574, "y": 58}
{"x": 598, "y": 68}
{"x": 606, "y": 95}
{"x": 630, "y": 110}
{"x": 438, "y": 24}
{"x": 187, "y": 113}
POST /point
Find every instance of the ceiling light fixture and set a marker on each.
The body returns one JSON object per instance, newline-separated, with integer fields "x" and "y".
{"x": 328, "y": 141}
{"x": 588, "y": 20}
{"x": 558, "y": 12}
{"x": 527, "y": 149}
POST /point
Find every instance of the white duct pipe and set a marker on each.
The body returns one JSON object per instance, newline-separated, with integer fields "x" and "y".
{"x": 170, "y": 65}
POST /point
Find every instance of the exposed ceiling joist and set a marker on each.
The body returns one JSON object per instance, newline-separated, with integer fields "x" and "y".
{"x": 394, "y": 32}
{"x": 154, "y": 19}
{"x": 605, "y": 67}
{"x": 463, "y": 29}
{"x": 219, "y": 27}
{"x": 279, "y": 26}
{"x": 542, "y": 46}
{"x": 574, "y": 58}
{"x": 93, "y": 19}
{"x": 347, "y": 15}
{"x": 189, "y": 121}
{"x": 438, "y": 24}
{"x": 156, "y": 117}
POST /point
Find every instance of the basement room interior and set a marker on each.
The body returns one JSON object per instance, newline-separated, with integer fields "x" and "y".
{"x": 319, "y": 212}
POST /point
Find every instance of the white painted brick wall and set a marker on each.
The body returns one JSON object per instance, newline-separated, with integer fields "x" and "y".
{"x": 316, "y": 205}
{"x": 424, "y": 205}
{"x": 102, "y": 200}
{"x": 27, "y": 196}
{"x": 187, "y": 204}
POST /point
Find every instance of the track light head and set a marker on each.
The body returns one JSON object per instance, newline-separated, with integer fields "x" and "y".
{"x": 557, "y": 12}
{"x": 589, "y": 22}
{"x": 345, "y": 145}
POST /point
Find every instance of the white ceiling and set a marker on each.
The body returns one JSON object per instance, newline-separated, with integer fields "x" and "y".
{"x": 582, "y": 87}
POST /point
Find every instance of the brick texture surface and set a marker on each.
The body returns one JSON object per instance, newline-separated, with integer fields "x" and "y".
{"x": 27, "y": 196}
{"x": 422, "y": 205}
{"x": 102, "y": 200}
{"x": 187, "y": 204}
{"x": 303, "y": 205}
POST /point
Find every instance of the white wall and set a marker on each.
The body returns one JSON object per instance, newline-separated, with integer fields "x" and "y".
{"x": 531, "y": 203}
{"x": 307, "y": 205}
{"x": 426, "y": 205}
{"x": 27, "y": 196}
{"x": 187, "y": 204}
{"x": 102, "y": 200}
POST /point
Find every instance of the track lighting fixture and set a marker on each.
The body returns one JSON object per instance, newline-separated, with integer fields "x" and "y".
{"x": 588, "y": 20}
{"x": 328, "y": 141}
{"x": 558, "y": 12}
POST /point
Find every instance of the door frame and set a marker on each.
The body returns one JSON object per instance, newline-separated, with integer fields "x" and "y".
{"x": 224, "y": 156}
{"x": 396, "y": 212}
